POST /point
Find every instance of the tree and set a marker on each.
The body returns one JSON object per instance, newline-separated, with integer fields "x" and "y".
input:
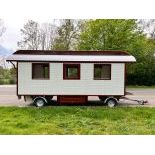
{"x": 31, "y": 36}
{"x": 107, "y": 34}
{"x": 47, "y": 35}
{"x": 2, "y": 28}
{"x": 67, "y": 34}
{"x": 143, "y": 71}
{"x": 37, "y": 36}
{"x": 148, "y": 27}
{"x": 111, "y": 34}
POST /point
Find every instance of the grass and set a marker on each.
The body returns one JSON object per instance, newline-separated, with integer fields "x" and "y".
{"x": 7, "y": 81}
{"x": 77, "y": 120}
{"x": 144, "y": 87}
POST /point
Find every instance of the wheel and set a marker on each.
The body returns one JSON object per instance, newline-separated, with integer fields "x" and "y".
{"x": 111, "y": 103}
{"x": 39, "y": 102}
{"x": 141, "y": 102}
{"x": 49, "y": 99}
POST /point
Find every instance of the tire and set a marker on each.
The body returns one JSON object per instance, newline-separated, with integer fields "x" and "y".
{"x": 111, "y": 102}
{"x": 49, "y": 99}
{"x": 39, "y": 102}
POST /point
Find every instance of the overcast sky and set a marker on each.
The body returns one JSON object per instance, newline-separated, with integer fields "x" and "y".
{"x": 16, "y": 12}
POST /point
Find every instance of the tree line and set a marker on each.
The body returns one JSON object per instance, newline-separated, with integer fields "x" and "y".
{"x": 59, "y": 35}
{"x": 135, "y": 36}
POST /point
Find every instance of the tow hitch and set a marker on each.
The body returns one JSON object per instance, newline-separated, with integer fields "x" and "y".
{"x": 141, "y": 102}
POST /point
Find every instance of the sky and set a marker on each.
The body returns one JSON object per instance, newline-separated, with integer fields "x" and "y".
{"x": 17, "y": 12}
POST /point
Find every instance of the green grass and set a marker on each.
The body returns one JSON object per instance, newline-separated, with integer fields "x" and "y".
{"x": 7, "y": 81}
{"x": 77, "y": 120}
{"x": 144, "y": 87}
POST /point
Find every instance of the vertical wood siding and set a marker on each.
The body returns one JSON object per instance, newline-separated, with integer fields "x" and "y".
{"x": 57, "y": 86}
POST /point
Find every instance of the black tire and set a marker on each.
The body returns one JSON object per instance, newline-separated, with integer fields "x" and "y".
{"x": 111, "y": 102}
{"x": 49, "y": 99}
{"x": 39, "y": 102}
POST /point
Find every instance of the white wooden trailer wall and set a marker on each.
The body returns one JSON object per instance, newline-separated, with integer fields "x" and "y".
{"x": 57, "y": 86}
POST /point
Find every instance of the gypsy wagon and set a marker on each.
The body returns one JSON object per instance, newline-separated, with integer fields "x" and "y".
{"x": 72, "y": 76}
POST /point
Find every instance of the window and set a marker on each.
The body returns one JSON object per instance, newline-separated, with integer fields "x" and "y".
{"x": 71, "y": 71}
{"x": 40, "y": 71}
{"x": 102, "y": 71}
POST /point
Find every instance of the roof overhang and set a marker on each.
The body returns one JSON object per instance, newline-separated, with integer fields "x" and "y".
{"x": 72, "y": 58}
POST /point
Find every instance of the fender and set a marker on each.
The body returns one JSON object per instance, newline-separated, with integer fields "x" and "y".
{"x": 40, "y": 97}
{"x": 110, "y": 97}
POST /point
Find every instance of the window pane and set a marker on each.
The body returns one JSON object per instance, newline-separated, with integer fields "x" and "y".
{"x": 106, "y": 72}
{"x": 71, "y": 71}
{"x": 98, "y": 72}
{"x": 40, "y": 71}
{"x": 102, "y": 71}
{"x": 46, "y": 72}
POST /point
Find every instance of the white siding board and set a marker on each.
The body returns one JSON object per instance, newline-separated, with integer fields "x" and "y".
{"x": 57, "y": 86}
